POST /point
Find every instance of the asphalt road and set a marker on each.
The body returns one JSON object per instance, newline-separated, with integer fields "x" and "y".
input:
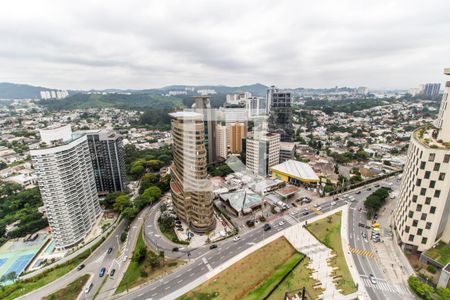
{"x": 209, "y": 259}
{"x": 363, "y": 251}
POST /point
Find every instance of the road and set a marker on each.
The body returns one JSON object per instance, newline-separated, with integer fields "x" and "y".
{"x": 209, "y": 259}
{"x": 364, "y": 254}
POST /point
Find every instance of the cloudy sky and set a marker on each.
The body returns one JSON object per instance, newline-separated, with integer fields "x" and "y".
{"x": 145, "y": 44}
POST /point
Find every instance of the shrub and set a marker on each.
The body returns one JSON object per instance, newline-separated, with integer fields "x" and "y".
{"x": 423, "y": 290}
{"x": 431, "y": 269}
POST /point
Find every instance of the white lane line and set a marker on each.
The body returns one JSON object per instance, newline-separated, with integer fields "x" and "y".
{"x": 180, "y": 281}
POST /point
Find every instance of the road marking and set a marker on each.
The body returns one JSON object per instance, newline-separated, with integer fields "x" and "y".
{"x": 178, "y": 276}
{"x": 180, "y": 281}
{"x": 251, "y": 244}
{"x": 205, "y": 261}
{"x": 361, "y": 252}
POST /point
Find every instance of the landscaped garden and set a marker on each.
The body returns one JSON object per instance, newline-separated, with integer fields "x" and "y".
{"x": 328, "y": 232}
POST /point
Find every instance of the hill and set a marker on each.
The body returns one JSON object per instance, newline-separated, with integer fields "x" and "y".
{"x": 20, "y": 91}
{"x": 127, "y": 101}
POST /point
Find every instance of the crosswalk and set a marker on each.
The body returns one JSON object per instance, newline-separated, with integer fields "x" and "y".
{"x": 387, "y": 287}
{"x": 317, "y": 211}
{"x": 361, "y": 252}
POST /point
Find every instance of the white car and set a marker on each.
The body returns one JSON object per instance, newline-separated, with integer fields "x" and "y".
{"x": 281, "y": 223}
{"x": 236, "y": 238}
{"x": 333, "y": 203}
{"x": 372, "y": 279}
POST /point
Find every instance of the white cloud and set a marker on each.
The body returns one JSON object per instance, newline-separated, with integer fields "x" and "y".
{"x": 143, "y": 44}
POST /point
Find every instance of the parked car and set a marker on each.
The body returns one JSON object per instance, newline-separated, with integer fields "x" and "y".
{"x": 111, "y": 274}
{"x": 377, "y": 185}
{"x": 175, "y": 249}
{"x": 102, "y": 272}
{"x": 80, "y": 267}
{"x": 213, "y": 246}
{"x": 250, "y": 223}
{"x": 333, "y": 203}
{"x": 281, "y": 223}
{"x": 110, "y": 249}
{"x": 369, "y": 189}
{"x": 358, "y": 192}
{"x": 89, "y": 288}
{"x": 372, "y": 279}
{"x": 267, "y": 227}
{"x": 293, "y": 204}
{"x": 125, "y": 258}
{"x": 236, "y": 238}
{"x": 180, "y": 228}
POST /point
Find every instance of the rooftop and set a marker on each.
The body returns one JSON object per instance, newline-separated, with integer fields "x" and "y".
{"x": 426, "y": 136}
{"x": 299, "y": 170}
{"x": 185, "y": 115}
{"x": 440, "y": 253}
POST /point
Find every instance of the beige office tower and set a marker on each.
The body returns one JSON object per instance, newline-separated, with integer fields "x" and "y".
{"x": 422, "y": 214}
{"x": 190, "y": 187}
{"x": 236, "y": 134}
{"x": 262, "y": 151}
{"x": 221, "y": 141}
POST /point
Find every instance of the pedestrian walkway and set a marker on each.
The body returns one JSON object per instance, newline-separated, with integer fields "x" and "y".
{"x": 361, "y": 252}
{"x": 386, "y": 287}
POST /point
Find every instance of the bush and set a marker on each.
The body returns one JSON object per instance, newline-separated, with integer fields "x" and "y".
{"x": 423, "y": 290}
{"x": 123, "y": 237}
{"x": 431, "y": 269}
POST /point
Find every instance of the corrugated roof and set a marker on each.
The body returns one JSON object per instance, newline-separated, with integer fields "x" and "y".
{"x": 297, "y": 169}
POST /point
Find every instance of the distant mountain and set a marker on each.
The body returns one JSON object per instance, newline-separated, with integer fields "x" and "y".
{"x": 20, "y": 91}
{"x": 257, "y": 89}
{"x": 118, "y": 100}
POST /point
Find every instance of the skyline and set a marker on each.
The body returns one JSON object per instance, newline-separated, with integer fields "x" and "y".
{"x": 383, "y": 45}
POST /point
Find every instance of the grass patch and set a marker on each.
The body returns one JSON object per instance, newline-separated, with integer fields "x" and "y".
{"x": 299, "y": 278}
{"x": 441, "y": 253}
{"x": 263, "y": 289}
{"x": 141, "y": 272}
{"x": 26, "y": 286}
{"x": 328, "y": 232}
{"x": 71, "y": 291}
{"x": 245, "y": 275}
{"x": 171, "y": 235}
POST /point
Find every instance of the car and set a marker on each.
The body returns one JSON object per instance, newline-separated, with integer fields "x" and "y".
{"x": 175, "y": 249}
{"x": 333, "y": 203}
{"x": 293, "y": 204}
{"x": 372, "y": 279}
{"x": 358, "y": 192}
{"x": 125, "y": 258}
{"x": 236, "y": 238}
{"x": 110, "y": 249}
{"x": 369, "y": 189}
{"x": 367, "y": 226}
{"x": 213, "y": 246}
{"x": 305, "y": 212}
{"x": 111, "y": 274}
{"x": 102, "y": 272}
{"x": 267, "y": 227}
{"x": 316, "y": 205}
{"x": 177, "y": 222}
{"x": 80, "y": 267}
{"x": 281, "y": 223}
{"x": 89, "y": 288}
{"x": 180, "y": 228}
{"x": 377, "y": 185}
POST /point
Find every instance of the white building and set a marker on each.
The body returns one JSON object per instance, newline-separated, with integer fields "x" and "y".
{"x": 262, "y": 152}
{"x": 422, "y": 214}
{"x": 66, "y": 180}
{"x": 221, "y": 141}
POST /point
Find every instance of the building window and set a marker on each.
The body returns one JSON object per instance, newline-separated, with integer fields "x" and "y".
{"x": 418, "y": 182}
{"x": 407, "y": 229}
{"x": 410, "y": 214}
{"x": 419, "y": 231}
{"x": 428, "y": 225}
{"x": 432, "y": 184}
{"x": 437, "y": 193}
{"x": 423, "y": 191}
{"x": 423, "y": 217}
{"x": 427, "y": 200}
{"x": 427, "y": 174}
{"x": 419, "y": 207}
{"x": 432, "y": 209}
{"x": 411, "y": 238}
{"x": 415, "y": 223}
{"x": 431, "y": 157}
{"x": 437, "y": 166}
{"x": 414, "y": 199}
{"x": 422, "y": 165}
{"x": 441, "y": 176}
{"x": 446, "y": 158}
{"x": 424, "y": 240}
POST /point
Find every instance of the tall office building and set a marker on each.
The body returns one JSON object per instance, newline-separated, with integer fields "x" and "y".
{"x": 262, "y": 151}
{"x": 236, "y": 134}
{"x": 107, "y": 155}
{"x": 221, "y": 141}
{"x": 422, "y": 214}
{"x": 67, "y": 184}
{"x": 431, "y": 89}
{"x": 190, "y": 187}
{"x": 202, "y": 105}
{"x": 280, "y": 113}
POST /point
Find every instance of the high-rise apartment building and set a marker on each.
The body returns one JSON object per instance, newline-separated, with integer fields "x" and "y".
{"x": 280, "y": 113}
{"x": 67, "y": 184}
{"x": 107, "y": 155}
{"x": 431, "y": 89}
{"x": 236, "y": 134}
{"x": 422, "y": 214}
{"x": 202, "y": 105}
{"x": 262, "y": 151}
{"x": 190, "y": 187}
{"x": 221, "y": 141}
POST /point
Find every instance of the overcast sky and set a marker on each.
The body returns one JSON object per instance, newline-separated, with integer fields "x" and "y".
{"x": 146, "y": 44}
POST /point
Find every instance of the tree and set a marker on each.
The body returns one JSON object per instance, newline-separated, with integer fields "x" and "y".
{"x": 111, "y": 198}
{"x": 140, "y": 253}
{"x": 151, "y": 194}
{"x": 154, "y": 165}
{"x": 423, "y": 290}
{"x": 121, "y": 202}
{"x": 137, "y": 170}
{"x": 147, "y": 181}
{"x": 444, "y": 293}
{"x": 123, "y": 237}
{"x": 129, "y": 213}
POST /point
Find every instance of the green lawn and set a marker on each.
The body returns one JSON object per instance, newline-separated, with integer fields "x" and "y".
{"x": 264, "y": 288}
{"x": 299, "y": 278}
{"x": 244, "y": 276}
{"x": 440, "y": 253}
{"x": 328, "y": 232}
{"x": 71, "y": 291}
{"x": 20, "y": 288}
{"x": 138, "y": 273}
{"x": 171, "y": 235}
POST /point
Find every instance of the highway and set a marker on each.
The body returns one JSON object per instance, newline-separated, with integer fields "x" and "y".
{"x": 209, "y": 259}
{"x": 363, "y": 252}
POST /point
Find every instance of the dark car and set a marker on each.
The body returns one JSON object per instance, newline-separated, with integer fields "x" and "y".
{"x": 110, "y": 250}
{"x": 369, "y": 189}
{"x": 267, "y": 227}
{"x": 305, "y": 212}
{"x": 111, "y": 274}
{"x": 102, "y": 272}
{"x": 377, "y": 185}
{"x": 175, "y": 249}
{"x": 358, "y": 192}
{"x": 180, "y": 228}
{"x": 177, "y": 222}
{"x": 294, "y": 205}
{"x": 250, "y": 223}
{"x": 213, "y": 246}
{"x": 80, "y": 267}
